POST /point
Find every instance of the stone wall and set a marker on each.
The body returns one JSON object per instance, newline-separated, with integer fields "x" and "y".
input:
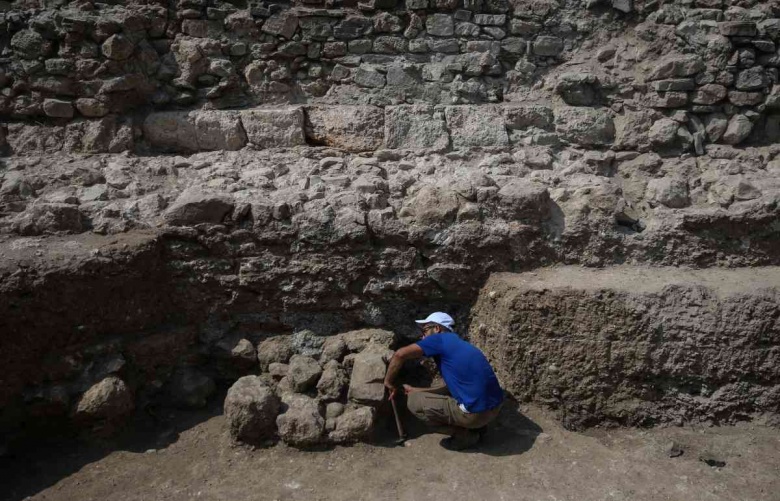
{"x": 675, "y": 77}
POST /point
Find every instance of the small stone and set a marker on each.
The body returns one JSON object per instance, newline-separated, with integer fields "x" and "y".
{"x": 738, "y": 28}
{"x": 90, "y": 107}
{"x": 368, "y": 77}
{"x": 283, "y": 24}
{"x": 110, "y": 400}
{"x": 671, "y": 192}
{"x": 489, "y": 19}
{"x": 194, "y": 206}
{"x": 547, "y": 46}
{"x": 440, "y": 25}
{"x": 740, "y": 98}
{"x": 663, "y": 132}
{"x": 752, "y": 79}
{"x": 709, "y": 94}
{"x": 117, "y": 47}
{"x": 303, "y": 373}
{"x": 674, "y": 450}
{"x": 274, "y": 349}
{"x": 677, "y": 66}
{"x": 333, "y": 383}
{"x": 739, "y": 128}
{"x": 58, "y": 108}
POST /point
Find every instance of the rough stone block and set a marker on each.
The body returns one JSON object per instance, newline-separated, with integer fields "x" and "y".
{"x": 415, "y": 127}
{"x": 194, "y": 206}
{"x": 171, "y": 131}
{"x": 547, "y": 46}
{"x": 218, "y": 130}
{"x": 251, "y": 409}
{"x": 301, "y": 424}
{"x": 677, "y": 66}
{"x": 528, "y": 115}
{"x": 352, "y": 128}
{"x": 58, "y": 108}
{"x": 366, "y": 385}
{"x": 476, "y": 126}
{"x": 440, "y": 25}
{"x": 283, "y": 24}
{"x": 585, "y": 126}
{"x": 274, "y": 128}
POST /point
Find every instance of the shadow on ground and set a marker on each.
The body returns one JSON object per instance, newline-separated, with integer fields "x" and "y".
{"x": 39, "y": 461}
{"x": 510, "y": 434}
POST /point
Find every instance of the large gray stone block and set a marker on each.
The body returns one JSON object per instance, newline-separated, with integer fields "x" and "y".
{"x": 352, "y": 128}
{"x": 471, "y": 126}
{"x": 415, "y": 127}
{"x": 274, "y": 128}
{"x": 171, "y": 131}
{"x": 585, "y": 126}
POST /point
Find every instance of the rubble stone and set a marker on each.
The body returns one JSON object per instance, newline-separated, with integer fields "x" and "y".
{"x": 300, "y": 424}
{"x": 251, "y": 409}
{"x": 109, "y": 400}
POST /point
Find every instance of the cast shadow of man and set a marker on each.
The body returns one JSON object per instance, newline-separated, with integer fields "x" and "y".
{"x": 510, "y": 434}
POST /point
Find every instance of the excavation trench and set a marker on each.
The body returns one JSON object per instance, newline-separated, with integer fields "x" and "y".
{"x": 168, "y": 318}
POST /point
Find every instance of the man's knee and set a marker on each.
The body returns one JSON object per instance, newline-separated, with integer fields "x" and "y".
{"x": 415, "y": 404}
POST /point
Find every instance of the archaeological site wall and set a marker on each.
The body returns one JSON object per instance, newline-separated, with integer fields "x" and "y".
{"x": 183, "y": 181}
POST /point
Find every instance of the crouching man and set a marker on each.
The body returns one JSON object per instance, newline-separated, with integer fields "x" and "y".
{"x": 472, "y": 396}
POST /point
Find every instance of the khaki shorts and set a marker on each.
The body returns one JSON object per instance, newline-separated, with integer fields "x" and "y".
{"x": 440, "y": 411}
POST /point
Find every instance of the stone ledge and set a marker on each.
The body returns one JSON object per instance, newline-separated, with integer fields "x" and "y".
{"x": 634, "y": 345}
{"x": 352, "y": 128}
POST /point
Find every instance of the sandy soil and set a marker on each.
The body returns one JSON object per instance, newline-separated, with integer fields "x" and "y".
{"x": 526, "y": 456}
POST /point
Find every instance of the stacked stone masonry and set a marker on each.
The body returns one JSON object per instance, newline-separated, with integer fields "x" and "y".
{"x": 93, "y": 72}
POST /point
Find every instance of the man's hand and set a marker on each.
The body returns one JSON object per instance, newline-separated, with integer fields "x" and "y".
{"x": 410, "y": 389}
{"x": 391, "y": 390}
{"x": 406, "y": 353}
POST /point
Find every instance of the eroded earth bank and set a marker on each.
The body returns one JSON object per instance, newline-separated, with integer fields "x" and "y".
{"x": 245, "y": 204}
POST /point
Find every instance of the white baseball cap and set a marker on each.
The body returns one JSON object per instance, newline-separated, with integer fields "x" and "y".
{"x": 440, "y": 318}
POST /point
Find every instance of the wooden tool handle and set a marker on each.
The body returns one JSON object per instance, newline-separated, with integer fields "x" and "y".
{"x": 401, "y": 433}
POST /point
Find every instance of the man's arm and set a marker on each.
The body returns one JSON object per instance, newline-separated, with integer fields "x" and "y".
{"x": 406, "y": 353}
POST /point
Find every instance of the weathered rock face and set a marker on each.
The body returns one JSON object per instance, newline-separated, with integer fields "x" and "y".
{"x": 251, "y": 408}
{"x": 635, "y": 346}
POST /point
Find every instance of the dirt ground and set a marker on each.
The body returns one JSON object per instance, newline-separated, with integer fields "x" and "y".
{"x": 526, "y": 456}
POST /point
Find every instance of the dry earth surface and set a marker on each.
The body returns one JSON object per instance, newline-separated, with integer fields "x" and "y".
{"x": 526, "y": 456}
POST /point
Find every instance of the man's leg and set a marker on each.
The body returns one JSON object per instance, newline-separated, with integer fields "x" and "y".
{"x": 433, "y": 409}
{"x": 441, "y": 412}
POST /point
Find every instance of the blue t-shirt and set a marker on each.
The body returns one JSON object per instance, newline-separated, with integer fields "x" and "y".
{"x": 466, "y": 371}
